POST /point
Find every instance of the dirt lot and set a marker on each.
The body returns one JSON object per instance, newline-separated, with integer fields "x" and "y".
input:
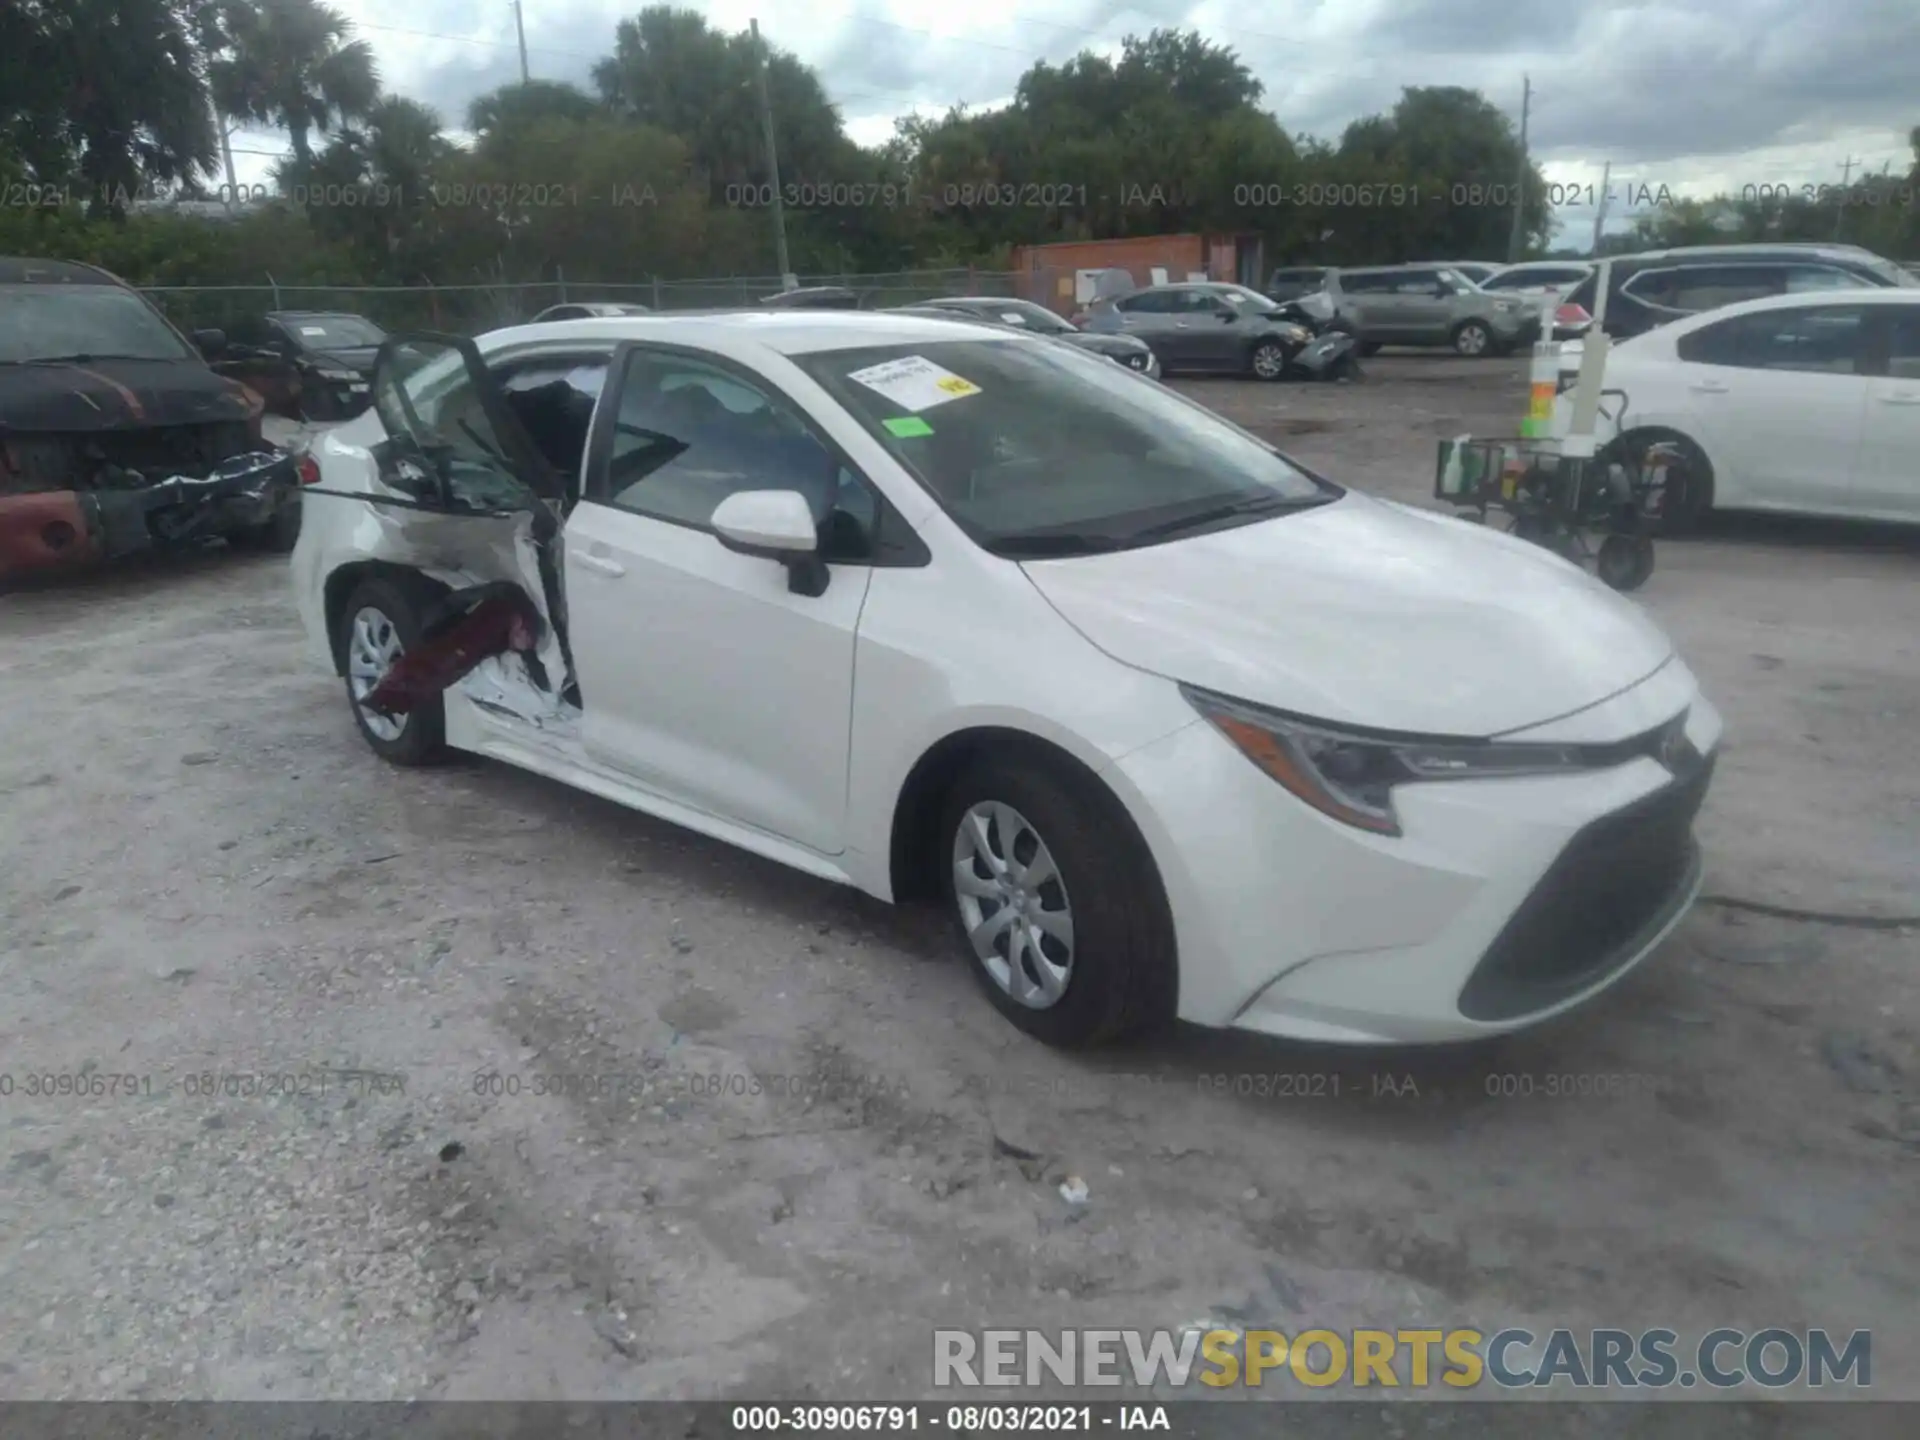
{"x": 206, "y": 874}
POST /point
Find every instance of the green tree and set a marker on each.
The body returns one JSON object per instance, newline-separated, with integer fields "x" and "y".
{"x": 526, "y": 103}
{"x": 105, "y": 95}
{"x": 292, "y": 64}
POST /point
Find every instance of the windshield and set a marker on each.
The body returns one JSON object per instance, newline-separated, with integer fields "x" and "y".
{"x": 1244, "y": 298}
{"x": 333, "y": 332}
{"x": 1042, "y": 449}
{"x": 52, "y": 322}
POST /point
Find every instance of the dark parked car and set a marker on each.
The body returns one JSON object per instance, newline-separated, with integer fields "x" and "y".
{"x": 588, "y": 310}
{"x": 1651, "y": 288}
{"x": 1026, "y": 315}
{"x": 115, "y": 435}
{"x": 312, "y": 364}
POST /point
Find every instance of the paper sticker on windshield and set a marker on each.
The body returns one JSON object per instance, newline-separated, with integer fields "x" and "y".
{"x": 313, "y": 329}
{"x": 907, "y": 427}
{"x": 915, "y": 383}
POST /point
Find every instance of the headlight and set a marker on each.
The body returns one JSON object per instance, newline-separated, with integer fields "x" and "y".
{"x": 1351, "y": 776}
{"x": 1295, "y": 335}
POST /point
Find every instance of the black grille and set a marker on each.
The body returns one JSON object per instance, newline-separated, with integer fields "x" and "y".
{"x": 1613, "y": 887}
{"x": 171, "y": 449}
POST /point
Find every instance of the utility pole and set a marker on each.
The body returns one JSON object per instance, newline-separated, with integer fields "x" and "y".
{"x": 1520, "y": 180}
{"x": 1840, "y": 207}
{"x": 1600, "y": 210}
{"x": 520, "y": 28}
{"x": 773, "y": 158}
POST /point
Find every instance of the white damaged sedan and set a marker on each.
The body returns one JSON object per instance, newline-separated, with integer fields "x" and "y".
{"x": 1170, "y": 725}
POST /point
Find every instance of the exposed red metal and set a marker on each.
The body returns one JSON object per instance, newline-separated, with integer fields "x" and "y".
{"x": 40, "y": 532}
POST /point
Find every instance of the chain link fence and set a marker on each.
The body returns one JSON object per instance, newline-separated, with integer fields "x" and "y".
{"x": 473, "y": 309}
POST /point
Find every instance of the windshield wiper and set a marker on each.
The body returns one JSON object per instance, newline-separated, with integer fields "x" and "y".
{"x": 1060, "y": 542}
{"x": 1266, "y": 505}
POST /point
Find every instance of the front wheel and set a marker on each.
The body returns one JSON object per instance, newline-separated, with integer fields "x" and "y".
{"x": 1473, "y": 339}
{"x": 1269, "y": 360}
{"x": 1058, "y": 905}
{"x": 382, "y": 623}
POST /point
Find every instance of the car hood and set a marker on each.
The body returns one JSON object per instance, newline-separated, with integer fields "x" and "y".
{"x": 1366, "y": 613}
{"x": 117, "y": 395}
{"x": 1106, "y": 344}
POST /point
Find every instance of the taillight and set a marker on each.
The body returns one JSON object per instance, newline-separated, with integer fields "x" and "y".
{"x": 1571, "y": 314}
{"x": 309, "y": 470}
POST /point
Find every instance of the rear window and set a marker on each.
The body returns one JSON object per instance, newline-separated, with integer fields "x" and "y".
{"x": 334, "y": 332}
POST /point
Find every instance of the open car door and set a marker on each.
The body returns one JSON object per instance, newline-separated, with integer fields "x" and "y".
{"x": 463, "y": 494}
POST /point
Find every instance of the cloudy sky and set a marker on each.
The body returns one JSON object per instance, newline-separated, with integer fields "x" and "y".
{"x": 1698, "y": 96}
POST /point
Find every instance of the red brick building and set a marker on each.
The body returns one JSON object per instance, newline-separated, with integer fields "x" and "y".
{"x": 1049, "y": 271}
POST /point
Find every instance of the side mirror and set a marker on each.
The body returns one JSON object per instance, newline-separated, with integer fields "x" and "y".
{"x": 210, "y": 343}
{"x": 774, "y": 525}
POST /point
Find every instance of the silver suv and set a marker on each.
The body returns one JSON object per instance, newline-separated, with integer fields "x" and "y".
{"x": 1430, "y": 305}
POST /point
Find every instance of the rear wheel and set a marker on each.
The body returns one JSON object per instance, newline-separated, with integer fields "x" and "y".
{"x": 1624, "y": 561}
{"x": 1369, "y": 348}
{"x": 1269, "y": 360}
{"x": 382, "y": 623}
{"x": 1058, "y": 904}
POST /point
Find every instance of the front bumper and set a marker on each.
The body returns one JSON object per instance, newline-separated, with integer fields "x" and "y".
{"x": 1505, "y": 902}
{"x": 1517, "y": 330}
{"x": 66, "y": 528}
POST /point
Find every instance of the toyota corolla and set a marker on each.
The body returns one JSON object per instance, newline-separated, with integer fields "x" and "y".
{"x": 1170, "y": 724}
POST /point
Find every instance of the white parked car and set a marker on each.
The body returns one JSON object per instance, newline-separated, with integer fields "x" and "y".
{"x": 1807, "y": 403}
{"x": 1170, "y": 725}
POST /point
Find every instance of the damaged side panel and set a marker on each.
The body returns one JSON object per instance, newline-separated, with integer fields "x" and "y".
{"x": 498, "y": 637}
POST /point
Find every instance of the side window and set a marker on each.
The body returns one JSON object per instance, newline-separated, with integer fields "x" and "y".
{"x": 1363, "y": 283}
{"x": 1147, "y": 302}
{"x": 1903, "y": 343}
{"x": 1823, "y": 339}
{"x": 1802, "y": 279}
{"x": 553, "y": 399}
{"x": 429, "y": 402}
{"x": 688, "y": 434}
{"x": 1708, "y": 288}
{"x": 1199, "y": 302}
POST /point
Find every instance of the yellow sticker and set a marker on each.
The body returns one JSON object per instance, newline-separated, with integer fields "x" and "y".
{"x": 954, "y": 385}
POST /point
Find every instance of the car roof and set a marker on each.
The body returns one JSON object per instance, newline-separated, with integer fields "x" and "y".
{"x": 1545, "y": 265}
{"x": 785, "y": 332}
{"x": 314, "y": 315}
{"x": 25, "y": 270}
{"x": 1797, "y": 250}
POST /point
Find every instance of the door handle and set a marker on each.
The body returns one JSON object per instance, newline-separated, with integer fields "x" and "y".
{"x": 602, "y": 564}
{"x": 1708, "y": 387}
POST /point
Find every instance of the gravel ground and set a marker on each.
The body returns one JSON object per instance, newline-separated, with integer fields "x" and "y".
{"x": 806, "y": 1140}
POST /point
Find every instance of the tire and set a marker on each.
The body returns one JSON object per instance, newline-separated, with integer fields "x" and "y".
{"x": 1473, "y": 339}
{"x": 419, "y": 738}
{"x": 1268, "y": 361}
{"x": 276, "y": 537}
{"x": 1624, "y": 561}
{"x": 1369, "y": 348}
{"x": 1120, "y": 975}
{"x": 1688, "y": 499}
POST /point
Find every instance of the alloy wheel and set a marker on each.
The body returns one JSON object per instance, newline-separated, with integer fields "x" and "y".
{"x": 1013, "y": 904}
{"x": 373, "y": 644}
{"x": 1472, "y": 339}
{"x": 1268, "y": 361}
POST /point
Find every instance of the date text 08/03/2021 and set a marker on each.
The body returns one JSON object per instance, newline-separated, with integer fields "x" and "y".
{"x": 909, "y": 1416}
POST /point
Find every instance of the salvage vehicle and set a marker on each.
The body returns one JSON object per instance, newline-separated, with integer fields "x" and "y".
{"x": 1170, "y": 724}
{"x": 324, "y": 360}
{"x": 1224, "y": 328}
{"x": 1025, "y": 315}
{"x": 589, "y": 310}
{"x": 115, "y": 436}
{"x": 1431, "y": 305}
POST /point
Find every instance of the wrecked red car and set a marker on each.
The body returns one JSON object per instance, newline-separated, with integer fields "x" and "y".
{"x": 116, "y": 436}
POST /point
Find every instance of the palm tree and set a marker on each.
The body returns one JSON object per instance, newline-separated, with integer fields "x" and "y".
{"x": 291, "y": 63}
{"x": 526, "y": 103}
